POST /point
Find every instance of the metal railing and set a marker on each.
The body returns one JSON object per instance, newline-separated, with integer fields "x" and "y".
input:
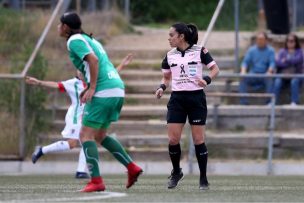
{"x": 255, "y": 75}
{"x": 249, "y": 95}
{"x": 212, "y": 22}
{"x": 271, "y": 126}
{"x": 22, "y": 75}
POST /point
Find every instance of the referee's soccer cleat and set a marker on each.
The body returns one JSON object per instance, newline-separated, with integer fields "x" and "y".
{"x": 37, "y": 154}
{"x": 95, "y": 185}
{"x": 175, "y": 178}
{"x": 81, "y": 175}
{"x": 204, "y": 185}
{"x": 134, "y": 172}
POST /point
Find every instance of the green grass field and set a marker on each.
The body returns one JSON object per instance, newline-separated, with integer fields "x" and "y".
{"x": 153, "y": 189}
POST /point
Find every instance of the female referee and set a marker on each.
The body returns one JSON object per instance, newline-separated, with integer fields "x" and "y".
{"x": 103, "y": 98}
{"x": 183, "y": 65}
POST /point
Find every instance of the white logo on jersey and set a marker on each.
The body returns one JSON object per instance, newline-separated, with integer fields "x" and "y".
{"x": 192, "y": 70}
{"x": 113, "y": 75}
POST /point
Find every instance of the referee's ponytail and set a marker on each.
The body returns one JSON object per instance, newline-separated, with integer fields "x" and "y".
{"x": 188, "y": 30}
{"x": 193, "y": 34}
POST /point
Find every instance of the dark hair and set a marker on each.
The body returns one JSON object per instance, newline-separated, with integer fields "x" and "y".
{"x": 73, "y": 20}
{"x": 296, "y": 39}
{"x": 188, "y": 30}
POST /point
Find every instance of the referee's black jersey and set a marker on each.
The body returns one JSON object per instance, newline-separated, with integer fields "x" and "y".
{"x": 187, "y": 66}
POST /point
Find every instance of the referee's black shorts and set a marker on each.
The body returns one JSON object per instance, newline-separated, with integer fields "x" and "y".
{"x": 191, "y": 104}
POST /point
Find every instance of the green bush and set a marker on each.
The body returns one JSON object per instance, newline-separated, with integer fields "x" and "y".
{"x": 17, "y": 43}
{"x": 193, "y": 11}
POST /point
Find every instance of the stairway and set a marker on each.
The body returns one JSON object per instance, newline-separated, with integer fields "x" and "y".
{"x": 142, "y": 126}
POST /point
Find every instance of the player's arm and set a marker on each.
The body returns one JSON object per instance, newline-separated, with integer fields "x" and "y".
{"x": 207, "y": 60}
{"x": 125, "y": 61}
{"x": 164, "y": 84}
{"x": 35, "y": 81}
{"x": 165, "y": 79}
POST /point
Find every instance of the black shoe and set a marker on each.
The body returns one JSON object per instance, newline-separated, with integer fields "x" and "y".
{"x": 204, "y": 185}
{"x": 174, "y": 178}
{"x": 81, "y": 175}
{"x": 37, "y": 154}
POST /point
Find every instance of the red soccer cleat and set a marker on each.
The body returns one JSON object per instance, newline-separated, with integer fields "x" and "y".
{"x": 133, "y": 172}
{"x": 95, "y": 185}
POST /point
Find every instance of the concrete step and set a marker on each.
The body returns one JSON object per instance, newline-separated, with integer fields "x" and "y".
{"x": 225, "y": 62}
{"x": 145, "y": 99}
{"x": 150, "y": 119}
{"x": 133, "y": 103}
{"x": 131, "y": 100}
{"x": 137, "y": 154}
{"x": 236, "y": 145}
{"x": 127, "y": 127}
{"x": 233, "y": 139}
{"x": 152, "y": 75}
{"x": 117, "y": 53}
{"x": 126, "y": 140}
{"x": 149, "y": 86}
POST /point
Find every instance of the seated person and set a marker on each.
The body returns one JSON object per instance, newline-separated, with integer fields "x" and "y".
{"x": 289, "y": 61}
{"x": 259, "y": 59}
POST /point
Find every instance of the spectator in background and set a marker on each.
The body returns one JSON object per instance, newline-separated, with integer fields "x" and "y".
{"x": 259, "y": 59}
{"x": 289, "y": 61}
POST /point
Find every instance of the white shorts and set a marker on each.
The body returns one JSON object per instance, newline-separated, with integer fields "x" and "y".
{"x": 71, "y": 131}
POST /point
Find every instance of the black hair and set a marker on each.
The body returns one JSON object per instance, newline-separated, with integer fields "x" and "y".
{"x": 73, "y": 21}
{"x": 188, "y": 30}
{"x": 296, "y": 39}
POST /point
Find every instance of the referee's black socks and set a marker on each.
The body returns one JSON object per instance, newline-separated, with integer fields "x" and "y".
{"x": 175, "y": 155}
{"x": 202, "y": 158}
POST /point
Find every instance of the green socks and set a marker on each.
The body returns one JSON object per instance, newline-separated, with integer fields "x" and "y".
{"x": 91, "y": 154}
{"x": 114, "y": 146}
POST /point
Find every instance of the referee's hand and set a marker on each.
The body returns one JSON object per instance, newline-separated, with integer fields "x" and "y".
{"x": 159, "y": 93}
{"x": 201, "y": 82}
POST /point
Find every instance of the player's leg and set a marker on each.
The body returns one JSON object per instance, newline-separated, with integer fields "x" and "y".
{"x": 174, "y": 148}
{"x": 197, "y": 114}
{"x": 201, "y": 151}
{"x": 295, "y": 87}
{"x": 277, "y": 88}
{"x": 82, "y": 165}
{"x": 59, "y": 146}
{"x": 176, "y": 118}
{"x": 268, "y": 84}
{"x": 117, "y": 150}
{"x": 243, "y": 88}
{"x": 87, "y": 137}
{"x": 113, "y": 107}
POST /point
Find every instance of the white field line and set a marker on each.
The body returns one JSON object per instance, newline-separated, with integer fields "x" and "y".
{"x": 98, "y": 196}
